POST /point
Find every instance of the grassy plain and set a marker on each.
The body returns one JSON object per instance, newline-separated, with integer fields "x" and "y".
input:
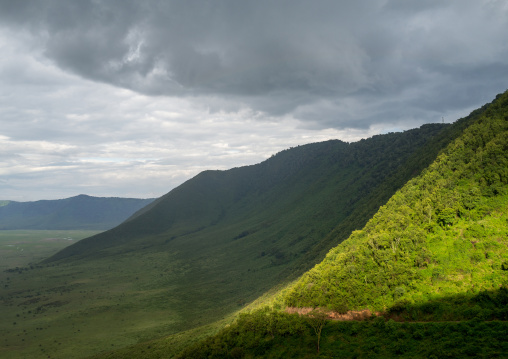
{"x": 19, "y": 248}
{"x": 76, "y": 309}
{"x": 73, "y": 311}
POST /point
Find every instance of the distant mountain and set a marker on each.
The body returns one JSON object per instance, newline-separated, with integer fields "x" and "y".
{"x": 79, "y": 212}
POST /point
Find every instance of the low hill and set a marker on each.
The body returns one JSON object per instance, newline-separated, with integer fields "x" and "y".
{"x": 79, "y": 212}
{"x": 437, "y": 251}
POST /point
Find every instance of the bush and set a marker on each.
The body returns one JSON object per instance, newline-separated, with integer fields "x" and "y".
{"x": 236, "y": 353}
{"x": 446, "y": 217}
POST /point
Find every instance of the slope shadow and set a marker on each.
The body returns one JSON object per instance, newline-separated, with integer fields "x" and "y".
{"x": 485, "y": 305}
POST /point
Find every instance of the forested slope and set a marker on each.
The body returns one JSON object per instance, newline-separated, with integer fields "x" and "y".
{"x": 301, "y": 194}
{"x": 443, "y": 233}
{"x": 437, "y": 251}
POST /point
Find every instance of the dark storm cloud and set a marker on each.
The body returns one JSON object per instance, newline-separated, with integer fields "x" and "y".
{"x": 304, "y": 58}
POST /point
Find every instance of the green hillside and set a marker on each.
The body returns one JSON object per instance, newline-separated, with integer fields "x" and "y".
{"x": 182, "y": 267}
{"x": 234, "y": 234}
{"x": 79, "y": 212}
{"x": 210, "y": 246}
{"x": 443, "y": 233}
{"x": 436, "y": 254}
{"x": 298, "y": 195}
{"x": 280, "y": 335}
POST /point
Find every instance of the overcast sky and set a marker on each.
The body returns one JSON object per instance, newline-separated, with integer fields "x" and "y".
{"x": 131, "y": 98}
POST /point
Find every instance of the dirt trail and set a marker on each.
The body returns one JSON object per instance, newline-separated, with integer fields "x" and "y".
{"x": 350, "y": 315}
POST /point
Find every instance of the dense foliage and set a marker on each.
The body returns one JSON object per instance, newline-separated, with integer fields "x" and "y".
{"x": 435, "y": 252}
{"x": 271, "y": 334}
{"x": 443, "y": 233}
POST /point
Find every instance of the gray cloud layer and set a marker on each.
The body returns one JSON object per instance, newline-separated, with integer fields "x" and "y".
{"x": 279, "y": 57}
{"x": 130, "y": 98}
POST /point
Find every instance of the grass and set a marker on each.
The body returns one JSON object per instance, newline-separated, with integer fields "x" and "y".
{"x": 166, "y": 347}
{"x": 76, "y": 310}
{"x": 19, "y": 248}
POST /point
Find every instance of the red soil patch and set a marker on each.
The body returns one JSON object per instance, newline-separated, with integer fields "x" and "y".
{"x": 350, "y": 315}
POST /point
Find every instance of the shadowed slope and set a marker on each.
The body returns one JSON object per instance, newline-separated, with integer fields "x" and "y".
{"x": 295, "y": 198}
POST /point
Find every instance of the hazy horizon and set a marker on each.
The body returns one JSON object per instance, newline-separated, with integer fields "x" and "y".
{"x": 131, "y": 99}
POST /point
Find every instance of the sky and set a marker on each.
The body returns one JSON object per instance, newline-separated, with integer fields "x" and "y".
{"x": 129, "y": 98}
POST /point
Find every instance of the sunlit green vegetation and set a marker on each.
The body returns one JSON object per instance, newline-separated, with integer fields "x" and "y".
{"x": 437, "y": 251}
{"x": 444, "y": 233}
{"x": 273, "y": 334}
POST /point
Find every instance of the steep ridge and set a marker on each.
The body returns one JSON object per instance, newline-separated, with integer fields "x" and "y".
{"x": 443, "y": 233}
{"x": 437, "y": 251}
{"x": 312, "y": 186}
{"x": 256, "y": 226}
{"x": 356, "y": 218}
{"x": 79, "y": 212}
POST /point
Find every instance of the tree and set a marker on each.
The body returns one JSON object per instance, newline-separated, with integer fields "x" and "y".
{"x": 317, "y": 319}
